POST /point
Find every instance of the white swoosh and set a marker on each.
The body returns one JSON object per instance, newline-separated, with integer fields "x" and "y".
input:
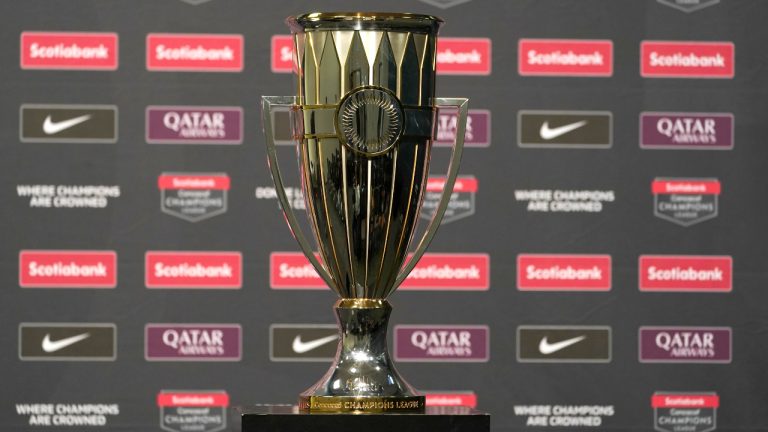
{"x": 50, "y": 127}
{"x": 53, "y": 346}
{"x": 300, "y": 347}
{"x": 549, "y": 348}
{"x": 548, "y": 134}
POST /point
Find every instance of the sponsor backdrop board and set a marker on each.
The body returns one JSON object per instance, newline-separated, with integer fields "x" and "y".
{"x": 601, "y": 267}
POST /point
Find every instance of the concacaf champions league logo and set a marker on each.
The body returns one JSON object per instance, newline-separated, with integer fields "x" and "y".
{"x": 685, "y": 201}
{"x": 685, "y": 411}
{"x": 193, "y": 411}
{"x": 193, "y": 196}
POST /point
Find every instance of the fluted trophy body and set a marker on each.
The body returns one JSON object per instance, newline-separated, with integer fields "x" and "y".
{"x": 363, "y": 197}
{"x": 363, "y": 126}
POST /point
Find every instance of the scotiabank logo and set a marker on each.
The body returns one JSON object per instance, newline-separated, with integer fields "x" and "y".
{"x": 282, "y": 54}
{"x": 445, "y": 398}
{"x": 464, "y": 56}
{"x": 173, "y": 269}
{"x": 455, "y": 56}
{"x": 538, "y": 272}
{"x": 686, "y": 273}
{"x": 435, "y": 271}
{"x": 565, "y": 57}
{"x": 67, "y": 269}
{"x": 195, "y": 52}
{"x": 69, "y": 50}
{"x": 663, "y": 59}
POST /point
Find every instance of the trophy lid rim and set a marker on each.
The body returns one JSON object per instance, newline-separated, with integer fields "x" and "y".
{"x": 365, "y": 21}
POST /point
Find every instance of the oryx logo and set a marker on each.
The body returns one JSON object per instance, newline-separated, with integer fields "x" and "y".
{"x": 303, "y": 342}
{"x": 52, "y": 123}
{"x": 194, "y": 125}
{"x": 68, "y": 341}
{"x": 193, "y": 196}
{"x": 685, "y": 201}
{"x": 197, "y": 410}
{"x": 697, "y": 411}
{"x": 69, "y": 50}
{"x": 565, "y": 129}
{"x": 686, "y": 131}
{"x": 563, "y": 344}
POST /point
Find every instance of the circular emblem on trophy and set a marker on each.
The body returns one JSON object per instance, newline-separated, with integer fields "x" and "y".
{"x": 370, "y": 120}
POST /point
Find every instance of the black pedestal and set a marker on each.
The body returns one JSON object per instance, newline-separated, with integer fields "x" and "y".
{"x": 285, "y": 418}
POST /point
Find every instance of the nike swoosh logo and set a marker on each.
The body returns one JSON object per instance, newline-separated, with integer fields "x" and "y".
{"x": 301, "y": 347}
{"x": 548, "y": 133}
{"x": 50, "y": 127}
{"x": 50, "y": 346}
{"x": 548, "y": 348}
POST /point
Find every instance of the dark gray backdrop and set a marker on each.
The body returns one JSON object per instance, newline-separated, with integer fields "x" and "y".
{"x": 625, "y": 229}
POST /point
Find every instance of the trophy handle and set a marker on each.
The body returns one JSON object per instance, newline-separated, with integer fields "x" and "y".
{"x": 453, "y": 171}
{"x": 268, "y": 103}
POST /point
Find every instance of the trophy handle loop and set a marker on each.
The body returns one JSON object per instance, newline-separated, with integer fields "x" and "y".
{"x": 268, "y": 103}
{"x": 453, "y": 171}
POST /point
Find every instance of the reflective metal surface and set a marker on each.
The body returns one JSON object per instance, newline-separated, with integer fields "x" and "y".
{"x": 362, "y": 377}
{"x": 363, "y": 122}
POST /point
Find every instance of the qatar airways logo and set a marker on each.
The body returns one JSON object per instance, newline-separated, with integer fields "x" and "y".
{"x": 69, "y": 50}
{"x": 674, "y": 59}
{"x": 685, "y": 344}
{"x": 455, "y": 56}
{"x": 67, "y": 269}
{"x": 192, "y": 342}
{"x": 195, "y": 52}
{"x": 565, "y": 57}
{"x": 439, "y": 343}
{"x": 434, "y": 272}
{"x": 685, "y": 273}
{"x": 194, "y": 125}
{"x": 686, "y": 131}
{"x": 176, "y": 269}
{"x": 542, "y": 272}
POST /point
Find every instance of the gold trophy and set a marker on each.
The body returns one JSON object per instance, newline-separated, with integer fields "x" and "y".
{"x": 363, "y": 124}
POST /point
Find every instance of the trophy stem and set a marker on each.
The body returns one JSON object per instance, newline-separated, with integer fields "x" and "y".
{"x": 362, "y": 378}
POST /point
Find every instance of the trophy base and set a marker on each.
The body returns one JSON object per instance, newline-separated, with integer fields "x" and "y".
{"x": 287, "y": 418}
{"x": 362, "y": 405}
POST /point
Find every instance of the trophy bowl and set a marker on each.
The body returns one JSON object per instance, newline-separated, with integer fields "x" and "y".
{"x": 363, "y": 124}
